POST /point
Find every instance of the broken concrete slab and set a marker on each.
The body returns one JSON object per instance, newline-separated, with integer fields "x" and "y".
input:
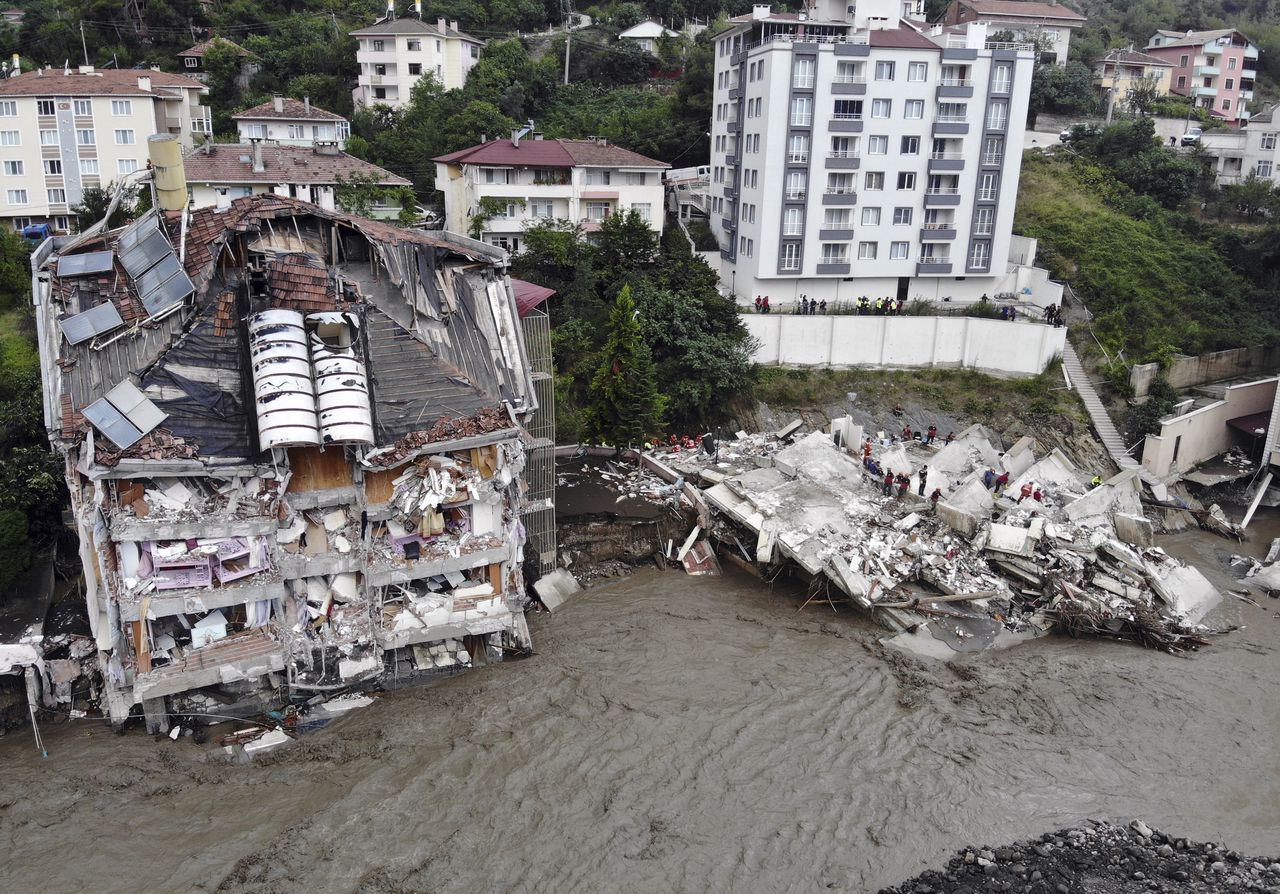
{"x": 1133, "y": 529}
{"x": 555, "y": 588}
{"x": 1186, "y": 591}
{"x": 1011, "y": 540}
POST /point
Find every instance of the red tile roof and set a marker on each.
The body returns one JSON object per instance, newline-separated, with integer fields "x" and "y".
{"x": 901, "y": 38}
{"x": 204, "y": 46}
{"x": 551, "y": 154}
{"x": 300, "y": 281}
{"x": 102, "y": 82}
{"x": 1132, "y": 57}
{"x": 1023, "y": 9}
{"x": 293, "y": 109}
{"x": 232, "y": 163}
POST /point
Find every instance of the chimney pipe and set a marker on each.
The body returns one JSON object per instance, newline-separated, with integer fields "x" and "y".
{"x": 441, "y": 25}
{"x": 278, "y": 101}
{"x": 258, "y": 165}
{"x": 306, "y": 104}
{"x": 223, "y": 201}
{"x": 454, "y": 25}
{"x": 515, "y": 138}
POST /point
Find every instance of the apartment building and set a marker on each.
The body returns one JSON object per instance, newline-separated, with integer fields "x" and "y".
{"x": 853, "y": 154}
{"x": 1217, "y": 69}
{"x": 292, "y": 122}
{"x": 294, "y": 452}
{"x": 1048, "y": 25}
{"x": 219, "y": 173}
{"x": 1252, "y": 151}
{"x": 514, "y": 183}
{"x": 1117, "y": 72}
{"x": 394, "y": 54}
{"x": 63, "y": 131}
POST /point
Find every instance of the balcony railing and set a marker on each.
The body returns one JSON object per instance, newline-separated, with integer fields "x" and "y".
{"x": 849, "y": 79}
{"x": 992, "y": 158}
{"x": 834, "y": 259}
{"x": 987, "y": 195}
{"x": 789, "y": 230}
{"x": 996, "y": 123}
{"x": 981, "y": 230}
{"x": 843, "y": 153}
{"x": 797, "y": 158}
{"x": 948, "y": 156}
{"x": 955, "y": 82}
{"x": 840, "y": 190}
{"x": 942, "y": 191}
{"x": 802, "y": 83}
{"x": 1000, "y": 87}
{"x": 950, "y": 119}
{"x": 857, "y": 39}
{"x": 939, "y": 225}
{"x": 935, "y": 259}
{"x": 795, "y": 194}
{"x": 1010, "y": 45}
{"x": 976, "y": 263}
{"x": 802, "y": 120}
{"x": 847, "y": 116}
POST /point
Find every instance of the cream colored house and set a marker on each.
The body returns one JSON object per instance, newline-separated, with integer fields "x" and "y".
{"x": 1119, "y": 70}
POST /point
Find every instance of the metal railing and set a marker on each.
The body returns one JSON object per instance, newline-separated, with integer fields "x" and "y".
{"x": 939, "y": 225}
{"x": 797, "y": 158}
{"x": 843, "y": 153}
{"x": 950, "y": 119}
{"x": 847, "y": 116}
{"x": 849, "y": 79}
{"x": 992, "y": 158}
{"x": 942, "y": 191}
{"x": 840, "y": 190}
{"x": 954, "y": 82}
{"x": 948, "y": 156}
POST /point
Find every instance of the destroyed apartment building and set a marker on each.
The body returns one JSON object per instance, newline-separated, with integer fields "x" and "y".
{"x": 294, "y": 443}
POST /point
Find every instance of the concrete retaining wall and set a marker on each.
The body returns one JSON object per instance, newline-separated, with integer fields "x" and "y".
{"x": 1187, "y": 440}
{"x": 995, "y": 346}
{"x": 1187, "y": 372}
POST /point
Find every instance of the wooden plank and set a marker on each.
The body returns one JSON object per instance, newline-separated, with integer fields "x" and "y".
{"x": 495, "y": 578}
{"x": 141, "y": 648}
{"x": 316, "y": 469}
{"x": 378, "y": 487}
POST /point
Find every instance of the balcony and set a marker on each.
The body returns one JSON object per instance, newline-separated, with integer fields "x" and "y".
{"x": 950, "y": 124}
{"x": 849, "y": 86}
{"x": 1251, "y": 52}
{"x": 1249, "y": 74}
{"x": 1207, "y": 71}
{"x": 728, "y": 223}
{"x": 988, "y": 195}
{"x": 938, "y": 232}
{"x": 930, "y": 265}
{"x": 996, "y": 124}
{"x": 993, "y": 159}
{"x": 731, "y": 160}
{"x": 942, "y": 197}
{"x": 802, "y": 83}
{"x": 954, "y": 88}
{"x": 842, "y": 161}
{"x": 845, "y": 123}
{"x": 946, "y": 161}
{"x": 835, "y": 268}
{"x": 733, "y": 126}
{"x": 841, "y": 235}
{"x": 1246, "y": 95}
{"x": 735, "y": 92}
{"x": 838, "y": 196}
{"x": 794, "y": 195}
{"x": 802, "y": 121}
{"x": 797, "y": 158}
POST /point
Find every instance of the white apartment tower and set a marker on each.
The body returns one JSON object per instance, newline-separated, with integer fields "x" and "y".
{"x": 855, "y": 153}
{"x": 395, "y": 54}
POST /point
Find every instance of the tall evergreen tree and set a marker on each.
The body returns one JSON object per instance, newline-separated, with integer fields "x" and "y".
{"x": 626, "y": 405}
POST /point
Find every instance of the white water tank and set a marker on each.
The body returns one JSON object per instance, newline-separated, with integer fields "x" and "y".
{"x": 342, "y": 385}
{"x": 283, "y": 393}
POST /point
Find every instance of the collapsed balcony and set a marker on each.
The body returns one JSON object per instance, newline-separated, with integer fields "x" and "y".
{"x": 445, "y": 605}
{"x": 180, "y": 508}
{"x": 169, "y": 577}
{"x": 244, "y": 656}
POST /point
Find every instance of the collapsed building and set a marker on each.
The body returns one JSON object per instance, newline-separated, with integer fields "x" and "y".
{"x": 295, "y": 444}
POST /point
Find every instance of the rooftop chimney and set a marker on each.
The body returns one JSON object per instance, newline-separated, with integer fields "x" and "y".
{"x": 259, "y": 166}
{"x": 761, "y": 11}
{"x": 442, "y": 26}
{"x": 306, "y": 104}
{"x": 222, "y": 201}
{"x": 515, "y": 138}
{"x": 454, "y": 25}
{"x": 417, "y": 8}
{"x": 278, "y": 101}
{"x": 144, "y": 83}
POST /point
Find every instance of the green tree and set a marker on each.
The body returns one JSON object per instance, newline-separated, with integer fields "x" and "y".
{"x": 1251, "y": 198}
{"x": 1065, "y": 89}
{"x": 626, "y": 405}
{"x": 15, "y": 548}
{"x": 15, "y": 269}
{"x": 224, "y": 63}
{"x": 97, "y": 199}
{"x": 625, "y": 244}
{"x": 1141, "y": 96}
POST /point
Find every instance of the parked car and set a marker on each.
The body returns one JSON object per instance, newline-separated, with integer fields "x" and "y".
{"x": 1067, "y": 134}
{"x": 1192, "y": 136}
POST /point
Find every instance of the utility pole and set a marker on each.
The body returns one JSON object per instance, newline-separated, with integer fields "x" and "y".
{"x": 84, "y": 46}
{"x": 567, "y": 7}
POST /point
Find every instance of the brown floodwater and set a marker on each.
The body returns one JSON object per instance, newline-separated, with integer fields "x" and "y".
{"x": 679, "y": 734}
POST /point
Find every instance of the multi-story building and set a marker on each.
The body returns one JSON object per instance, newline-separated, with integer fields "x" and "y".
{"x": 854, "y": 155}
{"x": 63, "y": 131}
{"x": 1119, "y": 71}
{"x": 292, "y": 122}
{"x": 394, "y": 54}
{"x": 512, "y": 183}
{"x": 1217, "y": 69}
{"x": 1048, "y": 25}
{"x": 218, "y": 173}
{"x": 294, "y": 451}
{"x": 1240, "y": 153}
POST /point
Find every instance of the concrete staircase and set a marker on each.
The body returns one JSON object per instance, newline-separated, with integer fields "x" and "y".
{"x": 1102, "y": 423}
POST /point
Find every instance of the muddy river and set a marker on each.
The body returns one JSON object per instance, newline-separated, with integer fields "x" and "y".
{"x": 677, "y": 734}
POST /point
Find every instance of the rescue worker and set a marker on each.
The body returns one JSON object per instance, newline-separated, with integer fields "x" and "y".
{"x": 1026, "y": 491}
{"x": 1095, "y": 481}
{"x": 924, "y": 476}
{"x": 934, "y": 498}
{"x": 904, "y": 485}
{"x": 1002, "y": 481}
{"x": 931, "y": 434}
{"x": 888, "y": 484}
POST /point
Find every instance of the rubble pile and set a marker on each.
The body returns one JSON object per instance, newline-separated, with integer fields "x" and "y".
{"x": 953, "y": 542}
{"x": 1100, "y": 858}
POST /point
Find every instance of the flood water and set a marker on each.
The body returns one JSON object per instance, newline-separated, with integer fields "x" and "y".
{"x": 678, "y": 734}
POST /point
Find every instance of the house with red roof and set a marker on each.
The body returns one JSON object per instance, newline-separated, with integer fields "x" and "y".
{"x": 510, "y": 184}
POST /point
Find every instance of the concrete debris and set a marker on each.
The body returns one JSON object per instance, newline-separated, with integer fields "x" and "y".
{"x": 555, "y": 588}
{"x": 963, "y": 543}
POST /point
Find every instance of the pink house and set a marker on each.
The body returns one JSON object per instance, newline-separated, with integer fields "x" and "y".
{"x": 1215, "y": 68}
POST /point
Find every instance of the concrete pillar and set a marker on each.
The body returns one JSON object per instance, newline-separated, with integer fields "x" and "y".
{"x": 157, "y": 715}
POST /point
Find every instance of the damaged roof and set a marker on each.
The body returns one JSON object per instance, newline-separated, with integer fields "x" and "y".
{"x": 233, "y": 163}
{"x": 437, "y": 319}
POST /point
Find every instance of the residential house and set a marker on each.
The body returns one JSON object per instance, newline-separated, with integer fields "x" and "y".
{"x": 646, "y": 35}
{"x": 1049, "y": 25}
{"x": 853, "y": 155}
{"x": 193, "y": 61}
{"x": 394, "y": 54}
{"x": 63, "y": 131}
{"x": 293, "y": 444}
{"x": 1217, "y": 69}
{"x": 1239, "y": 153}
{"x": 292, "y": 122}
{"x": 1120, "y": 70}
{"x": 218, "y": 173}
{"x": 511, "y": 184}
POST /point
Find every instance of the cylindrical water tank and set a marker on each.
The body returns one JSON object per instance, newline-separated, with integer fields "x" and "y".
{"x": 342, "y": 386}
{"x": 283, "y": 393}
{"x": 168, "y": 171}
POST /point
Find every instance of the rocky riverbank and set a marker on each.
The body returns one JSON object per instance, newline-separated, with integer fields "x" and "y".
{"x": 1100, "y": 858}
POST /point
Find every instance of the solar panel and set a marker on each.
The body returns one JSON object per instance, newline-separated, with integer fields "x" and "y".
{"x": 124, "y": 414}
{"x": 151, "y": 280}
{"x": 170, "y": 292}
{"x": 141, "y": 257}
{"x": 83, "y": 265}
{"x": 108, "y": 420}
{"x": 93, "y": 322}
{"x": 137, "y": 231}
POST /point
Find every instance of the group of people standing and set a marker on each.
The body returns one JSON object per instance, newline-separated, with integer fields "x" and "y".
{"x": 881, "y": 307}
{"x": 1053, "y": 316}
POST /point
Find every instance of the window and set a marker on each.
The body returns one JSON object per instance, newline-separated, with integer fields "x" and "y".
{"x": 909, "y": 146}
{"x": 415, "y": 68}
{"x": 61, "y": 223}
{"x": 899, "y": 251}
{"x": 1268, "y": 140}
{"x": 1000, "y": 78}
{"x": 598, "y": 178}
{"x": 997, "y": 114}
{"x": 790, "y": 256}
{"x": 881, "y": 108}
{"x": 798, "y": 149}
{"x": 53, "y": 167}
{"x": 906, "y": 180}
{"x": 89, "y": 166}
{"x": 952, "y": 112}
{"x": 124, "y": 138}
{"x": 14, "y": 138}
{"x": 993, "y": 151}
{"x": 256, "y": 131}
{"x": 83, "y": 108}
{"x": 871, "y": 217}
{"x": 379, "y": 70}
{"x": 57, "y": 196}
{"x": 634, "y": 178}
{"x": 848, "y": 110}
{"x": 13, "y": 169}
{"x": 987, "y": 188}
{"x": 844, "y": 147}
{"x": 980, "y": 256}
{"x": 597, "y": 211}
{"x": 17, "y": 196}
{"x": 877, "y": 145}
{"x": 297, "y": 131}
{"x": 746, "y": 246}
{"x": 541, "y": 209}
{"x": 439, "y": 47}
{"x": 884, "y": 71}
{"x": 45, "y": 107}
{"x": 645, "y": 210}
{"x": 874, "y": 180}
{"x": 867, "y": 251}
{"x": 85, "y": 137}
{"x": 802, "y": 74}
{"x": 8, "y": 109}
{"x": 836, "y": 219}
{"x": 126, "y": 165}
{"x": 1182, "y": 82}
{"x": 802, "y": 111}
{"x": 1231, "y": 66}
{"x": 1051, "y": 34}
{"x": 190, "y": 61}
{"x": 1184, "y": 61}
{"x": 1264, "y": 169}
{"x": 849, "y": 73}
{"x": 918, "y": 71}
{"x": 902, "y": 216}
{"x": 1226, "y": 104}
{"x": 835, "y": 253}
{"x": 796, "y": 185}
{"x": 793, "y": 222}
{"x": 413, "y": 46}
{"x": 841, "y": 184}
{"x": 379, "y": 46}
{"x": 121, "y": 107}
{"x": 914, "y": 109}
{"x": 754, "y": 175}
{"x": 1230, "y": 83}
